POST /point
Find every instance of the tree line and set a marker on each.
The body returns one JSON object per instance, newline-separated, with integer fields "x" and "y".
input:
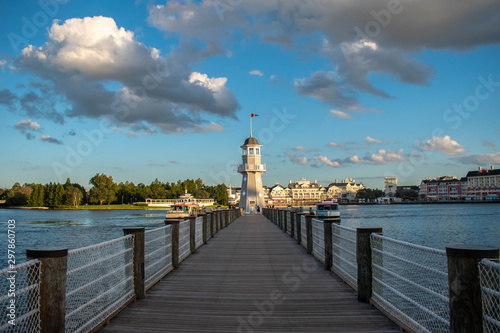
{"x": 105, "y": 191}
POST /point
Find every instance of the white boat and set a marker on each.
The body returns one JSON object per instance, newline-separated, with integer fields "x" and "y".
{"x": 327, "y": 209}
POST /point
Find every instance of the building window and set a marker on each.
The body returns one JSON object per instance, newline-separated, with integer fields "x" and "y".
{"x": 250, "y": 151}
{"x": 257, "y": 151}
{"x": 244, "y": 151}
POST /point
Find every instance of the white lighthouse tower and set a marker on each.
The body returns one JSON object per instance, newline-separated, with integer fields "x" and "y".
{"x": 252, "y": 194}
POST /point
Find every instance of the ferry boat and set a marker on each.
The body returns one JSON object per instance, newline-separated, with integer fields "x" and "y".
{"x": 327, "y": 209}
{"x": 182, "y": 210}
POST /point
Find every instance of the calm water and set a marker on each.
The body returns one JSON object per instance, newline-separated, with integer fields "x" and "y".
{"x": 429, "y": 225}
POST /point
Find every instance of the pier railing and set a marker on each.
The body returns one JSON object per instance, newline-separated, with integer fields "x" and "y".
{"x": 81, "y": 289}
{"x": 420, "y": 288}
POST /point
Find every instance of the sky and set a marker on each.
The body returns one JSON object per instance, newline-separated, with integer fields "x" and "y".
{"x": 343, "y": 89}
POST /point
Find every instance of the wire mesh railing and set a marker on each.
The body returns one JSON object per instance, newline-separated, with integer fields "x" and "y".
{"x": 303, "y": 231}
{"x": 288, "y": 222}
{"x": 19, "y": 300}
{"x": 157, "y": 254}
{"x": 489, "y": 274}
{"x": 410, "y": 282}
{"x": 318, "y": 240}
{"x": 184, "y": 241}
{"x": 199, "y": 232}
{"x": 99, "y": 281}
{"x": 344, "y": 254}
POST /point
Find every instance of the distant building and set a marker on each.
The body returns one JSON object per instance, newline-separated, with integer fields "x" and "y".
{"x": 305, "y": 193}
{"x": 483, "y": 184}
{"x": 344, "y": 190}
{"x": 280, "y": 195}
{"x": 391, "y": 186}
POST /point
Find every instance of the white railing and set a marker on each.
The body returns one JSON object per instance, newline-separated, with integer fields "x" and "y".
{"x": 199, "y": 232}
{"x": 410, "y": 282}
{"x": 21, "y": 284}
{"x": 489, "y": 273}
{"x": 344, "y": 254}
{"x": 318, "y": 240}
{"x": 303, "y": 231}
{"x": 184, "y": 241}
{"x": 157, "y": 254}
{"x": 99, "y": 281}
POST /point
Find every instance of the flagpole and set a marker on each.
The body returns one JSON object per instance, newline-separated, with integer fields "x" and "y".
{"x": 251, "y": 125}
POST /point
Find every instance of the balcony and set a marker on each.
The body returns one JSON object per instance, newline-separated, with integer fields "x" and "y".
{"x": 251, "y": 168}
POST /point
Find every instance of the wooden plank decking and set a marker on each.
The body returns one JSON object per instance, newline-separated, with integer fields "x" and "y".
{"x": 251, "y": 277}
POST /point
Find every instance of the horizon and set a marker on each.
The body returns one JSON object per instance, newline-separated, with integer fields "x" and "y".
{"x": 165, "y": 90}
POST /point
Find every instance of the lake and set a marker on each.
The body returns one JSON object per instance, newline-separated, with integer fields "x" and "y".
{"x": 430, "y": 225}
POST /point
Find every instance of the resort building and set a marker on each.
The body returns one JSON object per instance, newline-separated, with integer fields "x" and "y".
{"x": 391, "y": 186}
{"x": 280, "y": 195}
{"x": 344, "y": 190}
{"x": 483, "y": 184}
{"x": 441, "y": 188}
{"x": 305, "y": 193}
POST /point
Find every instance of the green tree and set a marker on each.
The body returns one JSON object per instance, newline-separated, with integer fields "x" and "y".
{"x": 36, "y": 198}
{"x": 18, "y": 195}
{"x": 72, "y": 196}
{"x": 104, "y": 189}
{"x": 158, "y": 190}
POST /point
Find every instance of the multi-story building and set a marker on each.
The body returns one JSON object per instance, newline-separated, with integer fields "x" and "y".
{"x": 441, "y": 188}
{"x": 483, "y": 184}
{"x": 279, "y": 195}
{"x": 344, "y": 190}
{"x": 304, "y": 192}
{"x": 391, "y": 186}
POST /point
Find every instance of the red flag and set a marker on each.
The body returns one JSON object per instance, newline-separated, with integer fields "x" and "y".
{"x": 253, "y": 115}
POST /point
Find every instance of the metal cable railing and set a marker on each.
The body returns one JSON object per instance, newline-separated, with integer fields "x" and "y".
{"x": 303, "y": 231}
{"x": 99, "y": 281}
{"x": 184, "y": 241}
{"x": 318, "y": 240}
{"x": 344, "y": 254}
{"x": 410, "y": 282}
{"x": 199, "y": 232}
{"x": 489, "y": 273}
{"x": 19, "y": 298}
{"x": 157, "y": 254}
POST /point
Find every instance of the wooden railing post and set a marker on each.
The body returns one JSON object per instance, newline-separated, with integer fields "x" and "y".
{"x": 327, "y": 232}
{"x": 285, "y": 221}
{"x": 211, "y": 216}
{"x": 54, "y": 266}
{"x": 192, "y": 233}
{"x": 226, "y": 213}
{"x": 364, "y": 262}
{"x": 309, "y": 245}
{"x": 205, "y": 227}
{"x": 464, "y": 286}
{"x": 138, "y": 259}
{"x": 175, "y": 240}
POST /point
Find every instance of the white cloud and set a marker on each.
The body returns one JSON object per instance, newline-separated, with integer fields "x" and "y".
{"x": 326, "y": 161}
{"x": 26, "y": 126}
{"x": 3, "y": 62}
{"x": 301, "y": 149}
{"x": 443, "y": 144}
{"x": 297, "y": 159}
{"x": 479, "y": 159}
{"x": 212, "y": 127}
{"x": 81, "y": 56}
{"x": 334, "y": 145}
{"x": 340, "y": 114}
{"x": 355, "y": 159}
{"x": 256, "y": 72}
{"x": 49, "y": 139}
{"x": 384, "y": 156}
{"x": 371, "y": 140}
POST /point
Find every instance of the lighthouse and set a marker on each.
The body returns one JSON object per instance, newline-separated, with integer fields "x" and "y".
{"x": 252, "y": 195}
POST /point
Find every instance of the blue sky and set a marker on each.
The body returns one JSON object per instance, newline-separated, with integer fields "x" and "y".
{"x": 153, "y": 89}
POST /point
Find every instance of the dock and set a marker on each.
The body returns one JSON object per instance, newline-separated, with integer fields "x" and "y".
{"x": 251, "y": 277}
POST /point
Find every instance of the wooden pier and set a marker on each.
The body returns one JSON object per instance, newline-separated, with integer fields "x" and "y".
{"x": 251, "y": 278}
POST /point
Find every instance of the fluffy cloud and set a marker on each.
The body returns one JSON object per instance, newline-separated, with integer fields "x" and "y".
{"x": 297, "y": 159}
{"x": 348, "y": 33}
{"x": 303, "y": 149}
{"x": 355, "y": 159}
{"x": 49, "y": 139}
{"x": 340, "y": 114}
{"x": 27, "y": 126}
{"x": 384, "y": 156}
{"x": 334, "y": 145}
{"x": 82, "y": 56}
{"x": 479, "y": 159}
{"x": 371, "y": 141}
{"x": 443, "y": 144}
{"x": 256, "y": 72}
{"x": 326, "y": 161}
